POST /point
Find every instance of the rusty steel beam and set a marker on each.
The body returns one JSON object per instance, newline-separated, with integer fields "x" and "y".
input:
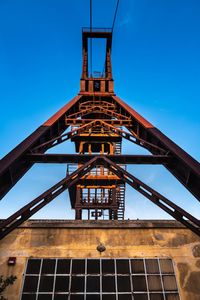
{"x": 187, "y": 170}
{"x": 97, "y": 101}
{"x": 62, "y": 138}
{"x": 119, "y": 122}
{"x": 83, "y": 158}
{"x": 174, "y": 210}
{"x": 14, "y": 165}
{"x": 35, "y": 205}
{"x": 178, "y": 213}
{"x": 133, "y": 138}
{"x": 184, "y": 167}
{"x": 97, "y": 109}
{"x": 102, "y": 103}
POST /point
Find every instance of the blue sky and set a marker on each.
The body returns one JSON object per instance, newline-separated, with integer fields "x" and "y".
{"x": 156, "y": 67}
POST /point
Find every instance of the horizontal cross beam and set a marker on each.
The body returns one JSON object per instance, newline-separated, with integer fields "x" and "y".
{"x": 119, "y": 122}
{"x": 83, "y": 158}
{"x": 28, "y": 210}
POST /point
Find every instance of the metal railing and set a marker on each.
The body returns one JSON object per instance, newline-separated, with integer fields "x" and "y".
{"x": 96, "y": 171}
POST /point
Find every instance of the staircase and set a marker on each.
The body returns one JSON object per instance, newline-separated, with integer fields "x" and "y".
{"x": 118, "y": 148}
{"x": 121, "y": 201}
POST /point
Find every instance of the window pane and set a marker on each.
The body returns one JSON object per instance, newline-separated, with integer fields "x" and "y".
{"x": 28, "y": 296}
{"x": 154, "y": 282}
{"x": 169, "y": 283}
{"x": 77, "y": 284}
{"x": 44, "y": 297}
{"x": 93, "y": 297}
{"x": 61, "y": 297}
{"x": 172, "y": 297}
{"x": 93, "y": 284}
{"x": 48, "y": 266}
{"x": 76, "y": 297}
{"x": 108, "y": 266}
{"x": 122, "y": 266}
{"x": 140, "y": 297}
{"x": 30, "y": 284}
{"x": 62, "y": 284}
{"x": 108, "y": 297}
{"x": 108, "y": 284}
{"x": 78, "y": 266}
{"x": 123, "y": 283}
{"x": 156, "y": 297}
{"x": 152, "y": 266}
{"x": 125, "y": 297}
{"x": 139, "y": 283}
{"x": 93, "y": 266}
{"x": 166, "y": 266}
{"x": 137, "y": 266}
{"x": 33, "y": 266}
{"x": 63, "y": 266}
{"x": 46, "y": 284}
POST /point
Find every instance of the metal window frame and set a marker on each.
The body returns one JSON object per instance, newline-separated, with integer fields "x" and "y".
{"x": 100, "y": 275}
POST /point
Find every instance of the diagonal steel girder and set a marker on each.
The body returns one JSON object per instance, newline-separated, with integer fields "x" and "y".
{"x": 62, "y": 138}
{"x": 45, "y": 198}
{"x": 14, "y": 165}
{"x": 133, "y": 138}
{"x": 66, "y": 136}
{"x": 184, "y": 167}
{"x": 28, "y": 210}
{"x": 174, "y": 210}
{"x": 97, "y": 109}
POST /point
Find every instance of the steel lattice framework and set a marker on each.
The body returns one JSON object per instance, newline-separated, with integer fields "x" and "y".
{"x": 97, "y": 118}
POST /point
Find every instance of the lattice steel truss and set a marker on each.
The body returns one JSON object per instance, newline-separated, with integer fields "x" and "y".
{"x": 97, "y": 118}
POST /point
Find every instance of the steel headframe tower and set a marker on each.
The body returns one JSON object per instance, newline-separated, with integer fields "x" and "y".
{"x": 99, "y": 121}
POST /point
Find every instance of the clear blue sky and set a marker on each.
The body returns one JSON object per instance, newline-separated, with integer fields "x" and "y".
{"x": 156, "y": 67}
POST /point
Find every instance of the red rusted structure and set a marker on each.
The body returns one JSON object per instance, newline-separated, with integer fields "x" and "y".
{"x": 96, "y": 174}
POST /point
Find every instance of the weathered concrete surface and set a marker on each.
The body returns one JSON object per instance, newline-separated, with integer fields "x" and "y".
{"x": 75, "y": 239}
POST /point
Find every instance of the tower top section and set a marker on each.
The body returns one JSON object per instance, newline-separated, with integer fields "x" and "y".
{"x": 98, "y": 83}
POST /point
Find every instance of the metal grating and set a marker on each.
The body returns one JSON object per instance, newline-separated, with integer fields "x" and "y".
{"x": 102, "y": 279}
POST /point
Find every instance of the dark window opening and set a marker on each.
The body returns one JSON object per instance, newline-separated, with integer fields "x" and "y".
{"x": 48, "y": 266}
{"x": 100, "y": 279}
{"x": 106, "y": 86}
{"x": 97, "y": 85}
{"x": 86, "y": 85}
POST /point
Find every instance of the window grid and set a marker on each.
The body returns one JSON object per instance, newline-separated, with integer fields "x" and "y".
{"x": 125, "y": 277}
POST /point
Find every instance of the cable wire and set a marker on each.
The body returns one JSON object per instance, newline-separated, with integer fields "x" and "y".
{"x": 115, "y": 15}
{"x": 112, "y": 29}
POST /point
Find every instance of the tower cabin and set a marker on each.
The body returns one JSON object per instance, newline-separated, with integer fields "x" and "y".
{"x": 101, "y": 84}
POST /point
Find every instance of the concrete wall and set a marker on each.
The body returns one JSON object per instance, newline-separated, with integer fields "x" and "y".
{"x": 74, "y": 239}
